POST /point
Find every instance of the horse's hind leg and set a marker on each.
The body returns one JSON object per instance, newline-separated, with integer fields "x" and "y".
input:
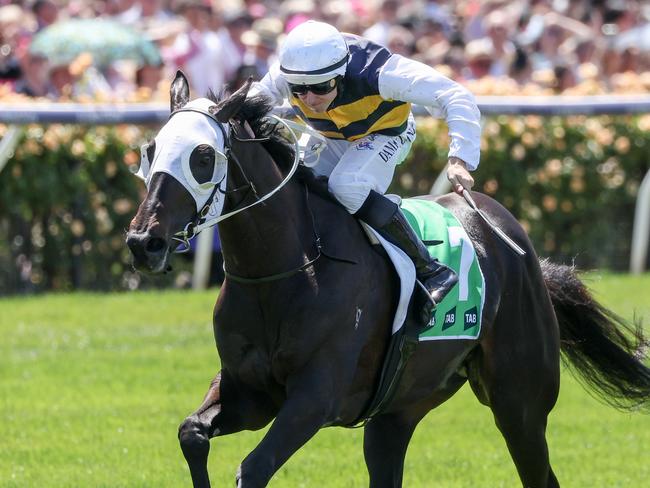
{"x": 516, "y": 374}
{"x": 525, "y": 435}
{"x": 225, "y": 409}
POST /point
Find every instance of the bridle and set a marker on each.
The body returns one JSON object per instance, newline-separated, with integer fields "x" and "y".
{"x": 201, "y": 222}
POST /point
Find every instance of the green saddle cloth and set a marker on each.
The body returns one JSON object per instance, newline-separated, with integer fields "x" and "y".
{"x": 459, "y": 314}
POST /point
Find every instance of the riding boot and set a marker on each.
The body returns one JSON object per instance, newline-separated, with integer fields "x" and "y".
{"x": 386, "y": 217}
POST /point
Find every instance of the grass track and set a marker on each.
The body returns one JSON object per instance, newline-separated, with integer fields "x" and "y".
{"x": 93, "y": 387}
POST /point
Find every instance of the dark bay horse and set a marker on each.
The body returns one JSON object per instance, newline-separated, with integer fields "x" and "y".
{"x": 304, "y": 316}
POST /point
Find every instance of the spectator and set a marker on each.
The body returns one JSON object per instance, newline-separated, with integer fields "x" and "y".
{"x": 147, "y": 79}
{"x": 242, "y": 74}
{"x": 62, "y": 81}
{"x": 236, "y": 22}
{"x": 480, "y": 56}
{"x": 400, "y": 41}
{"x": 154, "y": 11}
{"x": 496, "y": 25}
{"x": 386, "y": 18}
{"x": 597, "y": 39}
{"x": 557, "y": 29}
{"x": 436, "y": 11}
{"x": 261, "y": 43}
{"x": 474, "y": 15}
{"x": 564, "y": 78}
{"x": 15, "y": 24}
{"x": 45, "y": 12}
{"x": 520, "y": 69}
{"x": 295, "y": 12}
{"x": 581, "y": 49}
{"x": 256, "y": 9}
{"x": 34, "y": 79}
{"x": 78, "y": 79}
{"x": 453, "y": 64}
{"x": 124, "y": 11}
{"x": 334, "y": 13}
{"x": 199, "y": 51}
{"x": 430, "y": 33}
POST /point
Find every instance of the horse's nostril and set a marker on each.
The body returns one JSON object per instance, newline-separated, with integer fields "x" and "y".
{"x": 155, "y": 245}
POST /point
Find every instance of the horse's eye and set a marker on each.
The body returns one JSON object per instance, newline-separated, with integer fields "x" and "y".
{"x": 202, "y": 163}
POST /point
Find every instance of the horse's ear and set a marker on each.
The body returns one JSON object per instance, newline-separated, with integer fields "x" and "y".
{"x": 227, "y": 109}
{"x": 179, "y": 93}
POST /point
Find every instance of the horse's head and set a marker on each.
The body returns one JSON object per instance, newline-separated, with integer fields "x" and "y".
{"x": 185, "y": 171}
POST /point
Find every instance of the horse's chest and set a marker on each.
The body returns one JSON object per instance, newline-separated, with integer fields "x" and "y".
{"x": 253, "y": 366}
{"x": 257, "y": 364}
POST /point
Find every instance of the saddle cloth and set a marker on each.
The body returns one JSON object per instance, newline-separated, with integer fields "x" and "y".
{"x": 459, "y": 315}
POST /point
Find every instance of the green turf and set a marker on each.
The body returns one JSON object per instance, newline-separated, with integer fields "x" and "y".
{"x": 93, "y": 387}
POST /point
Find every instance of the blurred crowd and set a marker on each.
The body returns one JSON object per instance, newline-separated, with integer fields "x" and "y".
{"x": 493, "y": 46}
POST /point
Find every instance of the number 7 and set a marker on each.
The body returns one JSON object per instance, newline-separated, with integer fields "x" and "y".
{"x": 458, "y": 237}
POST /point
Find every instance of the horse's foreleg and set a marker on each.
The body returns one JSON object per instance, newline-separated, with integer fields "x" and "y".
{"x": 306, "y": 409}
{"x": 224, "y": 410}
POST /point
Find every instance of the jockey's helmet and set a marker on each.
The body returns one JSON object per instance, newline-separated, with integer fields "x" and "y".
{"x": 312, "y": 53}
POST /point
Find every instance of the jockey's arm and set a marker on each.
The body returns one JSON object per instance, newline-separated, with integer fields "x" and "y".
{"x": 270, "y": 86}
{"x": 411, "y": 81}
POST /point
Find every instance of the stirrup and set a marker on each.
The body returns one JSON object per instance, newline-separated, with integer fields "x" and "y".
{"x": 426, "y": 292}
{"x": 427, "y": 308}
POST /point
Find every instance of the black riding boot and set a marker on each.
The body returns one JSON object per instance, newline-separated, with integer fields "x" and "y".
{"x": 386, "y": 217}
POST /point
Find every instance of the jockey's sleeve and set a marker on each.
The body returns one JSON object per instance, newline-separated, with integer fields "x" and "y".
{"x": 407, "y": 80}
{"x": 272, "y": 85}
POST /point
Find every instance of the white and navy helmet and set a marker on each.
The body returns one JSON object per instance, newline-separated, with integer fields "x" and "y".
{"x": 312, "y": 53}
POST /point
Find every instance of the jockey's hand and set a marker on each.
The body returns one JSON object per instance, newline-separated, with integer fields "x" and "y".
{"x": 458, "y": 175}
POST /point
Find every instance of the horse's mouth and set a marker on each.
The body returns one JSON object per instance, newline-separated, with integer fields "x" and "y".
{"x": 153, "y": 265}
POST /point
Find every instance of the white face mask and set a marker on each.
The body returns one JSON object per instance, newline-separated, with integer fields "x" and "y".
{"x": 177, "y": 149}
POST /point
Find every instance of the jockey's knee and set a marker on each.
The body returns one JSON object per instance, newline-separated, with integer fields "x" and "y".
{"x": 349, "y": 191}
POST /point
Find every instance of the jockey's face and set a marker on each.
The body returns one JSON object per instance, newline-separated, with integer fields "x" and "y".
{"x": 317, "y": 96}
{"x": 318, "y": 103}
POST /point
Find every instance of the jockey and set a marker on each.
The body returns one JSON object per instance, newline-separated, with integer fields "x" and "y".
{"x": 358, "y": 96}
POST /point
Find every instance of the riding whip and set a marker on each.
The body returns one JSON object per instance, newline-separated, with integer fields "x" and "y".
{"x": 504, "y": 237}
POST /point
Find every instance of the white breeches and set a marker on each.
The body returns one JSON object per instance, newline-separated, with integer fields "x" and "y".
{"x": 354, "y": 168}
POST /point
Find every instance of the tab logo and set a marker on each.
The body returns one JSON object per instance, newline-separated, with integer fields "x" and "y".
{"x": 450, "y": 319}
{"x": 432, "y": 322}
{"x": 471, "y": 318}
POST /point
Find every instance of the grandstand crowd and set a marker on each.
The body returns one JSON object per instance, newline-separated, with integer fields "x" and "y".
{"x": 492, "y": 46}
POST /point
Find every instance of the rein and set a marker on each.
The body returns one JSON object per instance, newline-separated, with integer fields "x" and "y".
{"x": 200, "y": 222}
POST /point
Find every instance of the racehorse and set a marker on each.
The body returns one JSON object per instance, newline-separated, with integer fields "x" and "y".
{"x": 303, "y": 319}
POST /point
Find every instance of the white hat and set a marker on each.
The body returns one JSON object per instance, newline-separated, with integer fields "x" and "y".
{"x": 313, "y": 52}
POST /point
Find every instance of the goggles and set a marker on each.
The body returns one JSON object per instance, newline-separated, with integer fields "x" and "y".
{"x": 317, "y": 88}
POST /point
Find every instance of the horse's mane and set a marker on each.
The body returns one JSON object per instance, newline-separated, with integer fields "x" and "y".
{"x": 254, "y": 110}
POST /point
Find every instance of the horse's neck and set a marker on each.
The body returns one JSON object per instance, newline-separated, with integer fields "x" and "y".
{"x": 274, "y": 236}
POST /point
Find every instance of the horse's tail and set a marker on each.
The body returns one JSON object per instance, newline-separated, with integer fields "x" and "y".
{"x": 605, "y": 350}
